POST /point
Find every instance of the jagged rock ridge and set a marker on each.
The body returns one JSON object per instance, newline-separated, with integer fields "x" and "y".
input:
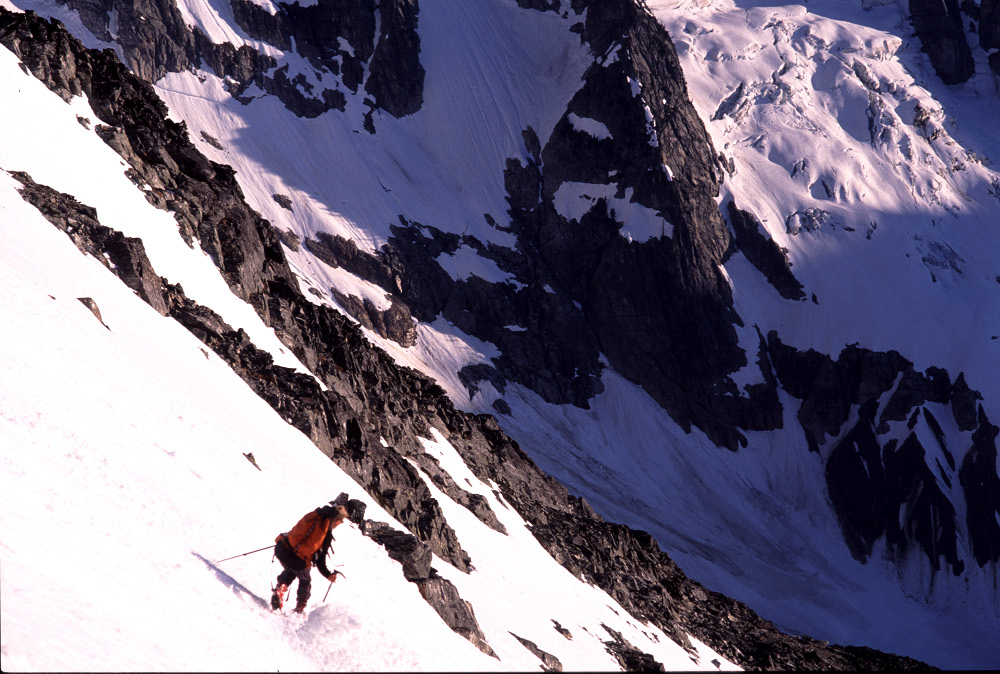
{"x": 939, "y": 25}
{"x": 585, "y": 288}
{"x": 989, "y": 24}
{"x": 369, "y": 397}
{"x": 337, "y": 37}
{"x": 874, "y": 474}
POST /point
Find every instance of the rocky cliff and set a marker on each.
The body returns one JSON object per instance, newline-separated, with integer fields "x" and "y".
{"x": 658, "y": 307}
{"x": 588, "y": 284}
{"x": 659, "y": 310}
{"x": 336, "y": 37}
{"x": 884, "y": 481}
{"x": 939, "y": 26}
{"x": 989, "y": 31}
{"x": 371, "y": 411}
{"x": 989, "y": 24}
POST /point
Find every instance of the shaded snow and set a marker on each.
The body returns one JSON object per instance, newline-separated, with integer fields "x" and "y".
{"x": 723, "y": 516}
{"x": 589, "y": 126}
{"x": 816, "y": 105}
{"x": 123, "y": 446}
{"x": 442, "y": 166}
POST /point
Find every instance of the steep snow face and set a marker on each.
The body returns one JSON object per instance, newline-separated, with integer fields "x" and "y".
{"x": 873, "y": 176}
{"x": 124, "y": 449}
{"x": 882, "y": 184}
{"x": 880, "y": 181}
{"x": 441, "y": 166}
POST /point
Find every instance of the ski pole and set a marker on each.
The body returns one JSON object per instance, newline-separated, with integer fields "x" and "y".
{"x": 245, "y": 554}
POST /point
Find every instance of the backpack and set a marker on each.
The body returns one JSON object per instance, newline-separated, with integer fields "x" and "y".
{"x": 307, "y": 535}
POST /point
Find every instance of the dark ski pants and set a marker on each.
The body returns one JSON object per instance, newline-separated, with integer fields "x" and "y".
{"x": 294, "y": 568}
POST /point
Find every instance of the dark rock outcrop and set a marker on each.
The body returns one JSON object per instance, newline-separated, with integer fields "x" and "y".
{"x": 396, "y": 322}
{"x": 94, "y": 309}
{"x": 883, "y": 484}
{"x": 629, "y": 657}
{"x": 938, "y": 24}
{"x": 979, "y": 479}
{"x": 337, "y": 37}
{"x": 550, "y": 663}
{"x": 457, "y": 613}
{"x": 280, "y": 199}
{"x": 659, "y": 309}
{"x": 393, "y": 323}
{"x": 316, "y": 32}
{"x": 989, "y": 25}
{"x": 764, "y": 254}
{"x": 355, "y": 508}
{"x": 152, "y": 34}
{"x": 123, "y": 255}
{"x": 396, "y": 79}
{"x": 440, "y": 593}
{"x": 372, "y": 411}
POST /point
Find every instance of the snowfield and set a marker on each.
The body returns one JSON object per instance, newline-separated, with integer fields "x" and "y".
{"x": 122, "y": 446}
{"x": 124, "y": 476}
{"x": 880, "y": 181}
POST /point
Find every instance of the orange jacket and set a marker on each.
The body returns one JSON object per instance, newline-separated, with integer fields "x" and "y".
{"x": 309, "y": 534}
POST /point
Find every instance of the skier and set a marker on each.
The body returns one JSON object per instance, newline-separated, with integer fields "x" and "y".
{"x": 306, "y": 544}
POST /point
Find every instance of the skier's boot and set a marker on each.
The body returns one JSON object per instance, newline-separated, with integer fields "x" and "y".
{"x": 278, "y": 597}
{"x": 300, "y": 605}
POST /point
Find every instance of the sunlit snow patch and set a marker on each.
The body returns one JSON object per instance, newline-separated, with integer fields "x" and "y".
{"x": 537, "y": 589}
{"x": 574, "y": 200}
{"x": 466, "y": 262}
{"x": 589, "y": 126}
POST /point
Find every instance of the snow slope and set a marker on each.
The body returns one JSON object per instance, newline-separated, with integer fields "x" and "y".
{"x": 442, "y": 166}
{"x": 830, "y": 109}
{"x": 896, "y": 239}
{"x": 123, "y": 476}
{"x": 819, "y": 105}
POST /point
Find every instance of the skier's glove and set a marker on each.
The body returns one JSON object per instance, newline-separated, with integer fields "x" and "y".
{"x": 333, "y": 577}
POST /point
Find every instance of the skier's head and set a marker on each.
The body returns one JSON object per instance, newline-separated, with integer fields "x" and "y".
{"x": 334, "y": 511}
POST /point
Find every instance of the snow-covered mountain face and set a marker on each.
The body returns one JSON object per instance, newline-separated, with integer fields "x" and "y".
{"x": 518, "y": 198}
{"x": 880, "y": 183}
{"x": 134, "y": 458}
